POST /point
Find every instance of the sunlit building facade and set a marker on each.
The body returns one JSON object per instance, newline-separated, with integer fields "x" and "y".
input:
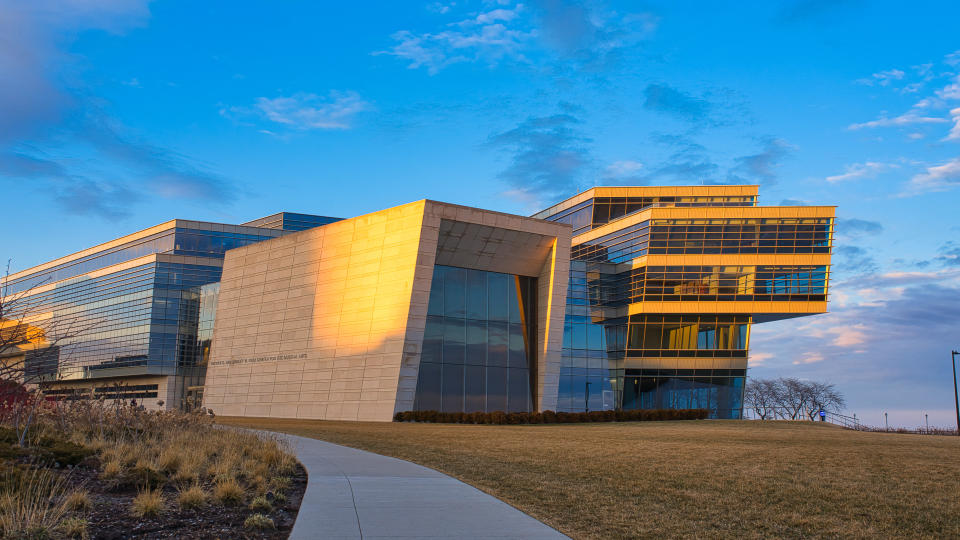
{"x": 665, "y": 283}
{"x": 616, "y": 298}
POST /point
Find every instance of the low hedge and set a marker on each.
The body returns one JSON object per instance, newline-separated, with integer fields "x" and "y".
{"x": 550, "y": 417}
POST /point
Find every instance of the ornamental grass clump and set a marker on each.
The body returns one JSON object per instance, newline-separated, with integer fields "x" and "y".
{"x": 78, "y": 501}
{"x": 261, "y": 504}
{"x": 147, "y": 503}
{"x": 228, "y": 492}
{"x": 258, "y": 522}
{"x": 74, "y": 527}
{"x": 31, "y": 502}
{"x": 192, "y": 498}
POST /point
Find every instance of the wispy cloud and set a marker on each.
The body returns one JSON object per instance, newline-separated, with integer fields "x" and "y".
{"x": 666, "y": 99}
{"x": 936, "y": 178}
{"x": 883, "y": 78}
{"x": 856, "y": 228}
{"x": 856, "y": 171}
{"x": 66, "y": 143}
{"x": 950, "y": 91}
{"x": 762, "y": 166}
{"x": 954, "y": 134}
{"x": 587, "y": 34}
{"x": 305, "y": 111}
{"x": 911, "y": 117}
{"x": 812, "y": 357}
{"x": 853, "y": 259}
{"x": 484, "y": 37}
{"x": 548, "y": 156}
{"x": 624, "y": 168}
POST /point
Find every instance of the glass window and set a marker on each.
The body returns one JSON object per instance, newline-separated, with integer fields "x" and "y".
{"x": 476, "y": 295}
{"x": 452, "y": 390}
{"x": 478, "y": 330}
{"x": 454, "y": 288}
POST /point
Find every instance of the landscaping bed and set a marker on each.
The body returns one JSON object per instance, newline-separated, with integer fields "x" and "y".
{"x": 99, "y": 470}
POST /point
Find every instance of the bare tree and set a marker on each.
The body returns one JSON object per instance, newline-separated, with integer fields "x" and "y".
{"x": 823, "y": 397}
{"x": 790, "y": 398}
{"x": 31, "y": 351}
{"x": 761, "y": 397}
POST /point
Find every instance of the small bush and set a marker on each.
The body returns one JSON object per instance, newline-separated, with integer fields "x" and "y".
{"x": 261, "y": 504}
{"x": 74, "y": 527}
{"x": 228, "y": 492}
{"x": 147, "y": 503}
{"x": 192, "y": 498}
{"x": 78, "y": 501}
{"x": 258, "y": 522}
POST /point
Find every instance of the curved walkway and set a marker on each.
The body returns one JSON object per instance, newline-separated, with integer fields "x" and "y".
{"x": 356, "y": 494}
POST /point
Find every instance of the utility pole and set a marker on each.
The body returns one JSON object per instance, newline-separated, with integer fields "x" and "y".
{"x": 886, "y": 424}
{"x": 926, "y": 421}
{"x": 956, "y": 401}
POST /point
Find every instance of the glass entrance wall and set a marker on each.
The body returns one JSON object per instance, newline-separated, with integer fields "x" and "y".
{"x": 479, "y": 343}
{"x": 718, "y": 390}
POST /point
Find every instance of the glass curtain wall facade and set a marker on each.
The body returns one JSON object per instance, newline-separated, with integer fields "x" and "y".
{"x": 111, "y": 318}
{"x": 478, "y": 351}
{"x": 630, "y": 340}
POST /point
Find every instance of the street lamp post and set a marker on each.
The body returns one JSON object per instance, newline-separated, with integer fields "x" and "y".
{"x": 956, "y": 401}
{"x": 586, "y": 399}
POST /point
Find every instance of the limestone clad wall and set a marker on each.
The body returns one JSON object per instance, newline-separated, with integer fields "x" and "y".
{"x": 327, "y": 323}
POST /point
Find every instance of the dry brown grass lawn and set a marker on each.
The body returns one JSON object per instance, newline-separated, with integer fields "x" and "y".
{"x": 685, "y": 479}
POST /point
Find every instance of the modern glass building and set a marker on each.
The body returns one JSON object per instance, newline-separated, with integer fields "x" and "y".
{"x": 665, "y": 283}
{"x": 616, "y": 298}
{"x": 133, "y": 317}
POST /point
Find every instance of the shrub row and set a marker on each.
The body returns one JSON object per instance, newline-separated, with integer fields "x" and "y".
{"x": 550, "y": 417}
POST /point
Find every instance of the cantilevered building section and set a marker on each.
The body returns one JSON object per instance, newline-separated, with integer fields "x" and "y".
{"x": 665, "y": 283}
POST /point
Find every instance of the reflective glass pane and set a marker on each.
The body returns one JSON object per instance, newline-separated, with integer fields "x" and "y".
{"x": 476, "y": 294}
{"x": 454, "y": 341}
{"x": 517, "y": 345}
{"x": 454, "y": 290}
{"x": 496, "y": 389}
{"x": 476, "y": 342}
{"x": 452, "y": 396}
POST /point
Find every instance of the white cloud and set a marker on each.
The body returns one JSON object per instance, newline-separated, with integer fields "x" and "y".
{"x": 909, "y": 118}
{"x": 481, "y": 38}
{"x": 954, "y": 134}
{"x": 849, "y": 336}
{"x": 759, "y": 359}
{"x": 953, "y": 58}
{"x": 951, "y": 91}
{"x": 309, "y": 111}
{"x": 883, "y": 78}
{"x": 937, "y": 178}
{"x": 620, "y": 169}
{"x": 856, "y": 171}
{"x": 809, "y": 358}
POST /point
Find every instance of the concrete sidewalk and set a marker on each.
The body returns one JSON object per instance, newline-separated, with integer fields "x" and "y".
{"x": 356, "y": 494}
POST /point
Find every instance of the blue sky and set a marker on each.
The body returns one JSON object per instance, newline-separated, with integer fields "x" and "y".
{"x": 119, "y": 114}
